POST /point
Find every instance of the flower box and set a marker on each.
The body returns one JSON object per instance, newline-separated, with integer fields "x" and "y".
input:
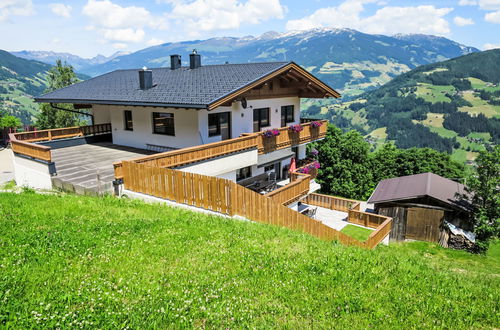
{"x": 296, "y": 128}
{"x": 271, "y": 133}
{"x": 316, "y": 124}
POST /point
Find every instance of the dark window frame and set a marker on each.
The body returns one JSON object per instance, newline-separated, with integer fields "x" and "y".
{"x": 170, "y": 129}
{"x": 260, "y": 122}
{"x": 242, "y": 176}
{"x": 128, "y": 122}
{"x": 289, "y": 111}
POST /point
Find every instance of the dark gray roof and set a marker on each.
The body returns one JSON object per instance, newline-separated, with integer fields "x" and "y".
{"x": 181, "y": 87}
{"x": 419, "y": 185}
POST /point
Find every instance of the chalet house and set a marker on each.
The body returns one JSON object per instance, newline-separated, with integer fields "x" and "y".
{"x": 224, "y": 138}
{"x": 177, "y": 107}
{"x": 421, "y": 205}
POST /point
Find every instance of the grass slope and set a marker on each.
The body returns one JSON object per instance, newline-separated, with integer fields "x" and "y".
{"x": 69, "y": 261}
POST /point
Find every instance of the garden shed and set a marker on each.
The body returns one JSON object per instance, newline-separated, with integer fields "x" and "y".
{"x": 420, "y": 204}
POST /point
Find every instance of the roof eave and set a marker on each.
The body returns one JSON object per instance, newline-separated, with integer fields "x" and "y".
{"x": 125, "y": 103}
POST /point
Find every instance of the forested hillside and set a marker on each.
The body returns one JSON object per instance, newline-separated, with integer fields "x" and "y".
{"x": 451, "y": 106}
{"x": 20, "y": 80}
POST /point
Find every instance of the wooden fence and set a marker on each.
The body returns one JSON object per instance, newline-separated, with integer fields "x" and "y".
{"x": 22, "y": 143}
{"x": 352, "y": 207}
{"x": 227, "y": 197}
{"x": 330, "y": 202}
{"x": 292, "y": 191}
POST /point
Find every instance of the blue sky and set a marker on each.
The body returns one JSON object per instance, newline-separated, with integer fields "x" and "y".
{"x": 91, "y": 27}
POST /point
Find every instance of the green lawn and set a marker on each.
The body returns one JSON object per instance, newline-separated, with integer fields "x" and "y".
{"x": 70, "y": 261}
{"x": 359, "y": 233}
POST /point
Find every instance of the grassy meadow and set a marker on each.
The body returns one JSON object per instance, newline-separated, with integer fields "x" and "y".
{"x": 73, "y": 261}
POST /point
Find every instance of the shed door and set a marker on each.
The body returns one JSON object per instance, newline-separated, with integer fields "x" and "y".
{"x": 423, "y": 224}
{"x": 398, "y": 215}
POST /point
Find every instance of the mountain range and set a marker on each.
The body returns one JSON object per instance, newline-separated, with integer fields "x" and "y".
{"x": 348, "y": 60}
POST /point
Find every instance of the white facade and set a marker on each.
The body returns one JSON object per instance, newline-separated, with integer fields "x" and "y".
{"x": 191, "y": 126}
{"x": 32, "y": 173}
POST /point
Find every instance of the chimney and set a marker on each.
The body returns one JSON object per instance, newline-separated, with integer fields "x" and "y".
{"x": 194, "y": 60}
{"x": 175, "y": 62}
{"x": 145, "y": 78}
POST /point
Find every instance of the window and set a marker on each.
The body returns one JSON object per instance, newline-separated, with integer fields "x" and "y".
{"x": 129, "y": 124}
{"x": 269, "y": 168}
{"x": 260, "y": 118}
{"x": 243, "y": 173}
{"x": 219, "y": 124}
{"x": 163, "y": 123}
{"x": 286, "y": 115}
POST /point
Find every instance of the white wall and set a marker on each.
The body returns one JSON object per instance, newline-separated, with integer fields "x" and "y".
{"x": 224, "y": 167}
{"x": 185, "y": 124}
{"x": 244, "y": 124}
{"x": 191, "y": 126}
{"x": 101, "y": 114}
{"x": 31, "y": 173}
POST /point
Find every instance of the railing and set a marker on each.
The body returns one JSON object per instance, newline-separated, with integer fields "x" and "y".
{"x": 308, "y": 120}
{"x": 352, "y": 207}
{"x": 330, "y": 202}
{"x": 379, "y": 234}
{"x": 291, "y": 192}
{"x": 63, "y": 133}
{"x": 30, "y": 149}
{"x": 22, "y": 143}
{"x": 312, "y": 172}
{"x": 366, "y": 219}
{"x": 288, "y": 138}
{"x": 192, "y": 154}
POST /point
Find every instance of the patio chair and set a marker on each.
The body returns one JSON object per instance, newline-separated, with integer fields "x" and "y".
{"x": 312, "y": 212}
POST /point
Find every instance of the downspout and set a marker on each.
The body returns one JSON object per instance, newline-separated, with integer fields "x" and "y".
{"x": 74, "y": 111}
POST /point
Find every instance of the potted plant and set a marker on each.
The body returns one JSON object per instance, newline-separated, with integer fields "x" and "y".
{"x": 296, "y": 128}
{"x": 316, "y": 124}
{"x": 271, "y": 133}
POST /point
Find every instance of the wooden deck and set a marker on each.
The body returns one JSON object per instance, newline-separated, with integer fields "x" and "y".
{"x": 78, "y": 166}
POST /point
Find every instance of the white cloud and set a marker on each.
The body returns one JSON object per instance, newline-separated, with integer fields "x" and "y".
{"x": 386, "y": 20}
{"x": 467, "y": 3}
{"x": 61, "y": 9}
{"x": 119, "y": 45}
{"x": 212, "y": 15}
{"x": 462, "y": 21}
{"x": 154, "y": 42}
{"x": 493, "y": 17}
{"x": 122, "y": 24}
{"x": 489, "y": 4}
{"x": 125, "y": 35}
{"x": 490, "y": 46}
{"x": 15, "y": 8}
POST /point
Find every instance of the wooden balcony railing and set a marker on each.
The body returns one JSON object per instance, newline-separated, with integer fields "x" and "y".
{"x": 29, "y": 149}
{"x": 288, "y": 138}
{"x": 63, "y": 133}
{"x": 23, "y": 142}
{"x": 292, "y": 191}
{"x": 312, "y": 172}
{"x": 193, "y": 154}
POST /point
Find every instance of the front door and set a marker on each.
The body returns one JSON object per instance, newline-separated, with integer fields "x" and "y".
{"x": 225, "y": 125}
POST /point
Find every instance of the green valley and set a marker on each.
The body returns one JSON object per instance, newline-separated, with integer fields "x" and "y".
{"x": 451, "y": 106}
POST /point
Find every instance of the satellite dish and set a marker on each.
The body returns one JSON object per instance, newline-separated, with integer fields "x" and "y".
{"x": 244, "y": 103}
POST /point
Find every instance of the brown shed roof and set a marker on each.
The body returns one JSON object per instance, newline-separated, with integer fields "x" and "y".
{"x": 419, "y": 185}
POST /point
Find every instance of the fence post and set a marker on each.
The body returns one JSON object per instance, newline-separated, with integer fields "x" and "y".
{"x": 50, "y": 135}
